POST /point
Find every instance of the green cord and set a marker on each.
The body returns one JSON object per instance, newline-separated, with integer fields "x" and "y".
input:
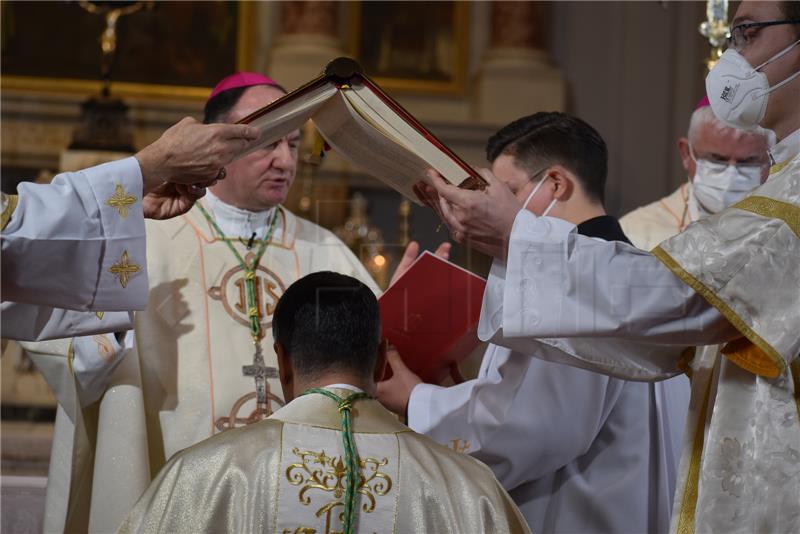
{"x": 352, "y": 461}
{"x": 249, "y": 270}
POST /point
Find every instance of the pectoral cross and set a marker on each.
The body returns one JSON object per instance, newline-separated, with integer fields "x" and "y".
{"x": 260, "y": 372}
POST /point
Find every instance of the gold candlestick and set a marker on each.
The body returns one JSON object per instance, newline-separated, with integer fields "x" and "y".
{"x": 716, "y": 29}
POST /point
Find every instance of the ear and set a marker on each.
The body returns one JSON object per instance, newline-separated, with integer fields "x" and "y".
{"x": 686, "y": 157}
{"x": 285, "y": 372}
{"x": 563, "y": 183}
{"x": 380, "y": 362}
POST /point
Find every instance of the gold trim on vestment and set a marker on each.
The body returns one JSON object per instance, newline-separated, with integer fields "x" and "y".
{"x": 124, "y": 269}
{"x": 778, "y": 167}
{"x": 121, "y": 200}
{"x": 10, "y": 202}
{"x": 771, "y": 367}
{"x": 772, "y": 209}
{"x": 795, "y": 367}
{"x": 686, "y": 516}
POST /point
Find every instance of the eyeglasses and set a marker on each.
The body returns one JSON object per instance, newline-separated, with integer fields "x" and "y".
{"x": 740, "y": 35}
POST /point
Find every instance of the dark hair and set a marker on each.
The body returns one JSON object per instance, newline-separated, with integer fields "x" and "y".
{"x": 791, "y": 11}
{"x": 549, "y": 138}
{"x": 328, "y": 321}
{"x": 217, "y": 108}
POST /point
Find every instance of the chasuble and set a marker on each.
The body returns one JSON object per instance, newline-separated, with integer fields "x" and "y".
{"x": 179, "y": 377}
{"x": 649, "y": 225}
{"x": 731, "y": 277}
{"x": 75, "y": 244}
{"x": 286, "y": 474}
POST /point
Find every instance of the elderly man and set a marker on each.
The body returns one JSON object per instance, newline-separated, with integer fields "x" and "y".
{"x": 91, "y": 221}
{"x": 723, "y": 165}
{"x": 198, "y": 362}
{"x": 731, "y": 277}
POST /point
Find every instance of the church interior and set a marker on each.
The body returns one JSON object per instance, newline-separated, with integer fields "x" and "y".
{"x": 85, "y": 82}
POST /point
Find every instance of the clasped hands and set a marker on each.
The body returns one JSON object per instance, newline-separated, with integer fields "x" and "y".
{"x": 187, "y": 158}
{"x": 480, "y": 219}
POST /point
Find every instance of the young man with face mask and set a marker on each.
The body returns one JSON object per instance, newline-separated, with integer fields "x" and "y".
{"x": 732, "y": 277}
{"x": 578, "y": 451}
{"x": 723, "y": 165}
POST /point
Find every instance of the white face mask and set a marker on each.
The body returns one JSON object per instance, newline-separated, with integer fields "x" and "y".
{"x": 738, "y": 93}
{"x": 718, "y": 185}
{"x": 533, "y": 192}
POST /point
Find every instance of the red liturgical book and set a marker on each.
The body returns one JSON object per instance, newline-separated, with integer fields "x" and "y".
{"x": 431, "y": 315}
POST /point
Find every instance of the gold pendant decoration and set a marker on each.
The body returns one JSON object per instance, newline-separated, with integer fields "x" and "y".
{"x": 231, "y": 292}
{"x": 121, "y": 200}
{"x": 124, "y": 269}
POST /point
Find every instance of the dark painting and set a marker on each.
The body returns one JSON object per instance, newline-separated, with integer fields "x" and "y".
{"x": 167, "y": 43}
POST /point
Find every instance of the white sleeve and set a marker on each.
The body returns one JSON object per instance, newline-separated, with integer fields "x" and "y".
{"x": 562, "y": 284}
{"x": 95, "y": 358}
{"x": 78, "y": 243}
{"x": 514, "y": 417}
{"x": 27, "y": 322}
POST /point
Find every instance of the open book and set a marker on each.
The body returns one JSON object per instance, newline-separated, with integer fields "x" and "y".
{"x": 366, "y": 126}
{"x": 431, "y": 315}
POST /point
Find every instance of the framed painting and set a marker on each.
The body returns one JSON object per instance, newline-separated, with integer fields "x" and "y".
{"x": 166, "y": 49}
{"x": 412, "y": 46}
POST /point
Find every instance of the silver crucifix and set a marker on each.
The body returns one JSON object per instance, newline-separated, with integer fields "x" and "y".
{"x": 260, "y": 373}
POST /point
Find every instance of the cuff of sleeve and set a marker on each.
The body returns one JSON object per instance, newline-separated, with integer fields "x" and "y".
{"x": 419, "y": 407}
{"x": 117, "y": 188}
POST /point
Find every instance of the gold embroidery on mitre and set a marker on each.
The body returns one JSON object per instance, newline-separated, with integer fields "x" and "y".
{"x": 9, "y": 203}
{"x": 318, "y": 471}
{"x": 124, "y": 269}
{"x": 121, "y": 200}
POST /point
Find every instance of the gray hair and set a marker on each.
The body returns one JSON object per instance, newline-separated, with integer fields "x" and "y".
{"x": 704, "y": 115}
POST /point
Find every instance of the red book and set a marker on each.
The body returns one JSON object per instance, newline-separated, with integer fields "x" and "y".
{"x": 431, "y": 315}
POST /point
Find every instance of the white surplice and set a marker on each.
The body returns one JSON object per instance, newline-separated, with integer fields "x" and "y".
{"x": 182, "y": 380}
{"x": 731, "y": 275}
{"x": 578, "y": 451}
{"x": 78, "y": 244}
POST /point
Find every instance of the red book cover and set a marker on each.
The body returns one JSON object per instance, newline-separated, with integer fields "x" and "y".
{"x": 431, "y": 315}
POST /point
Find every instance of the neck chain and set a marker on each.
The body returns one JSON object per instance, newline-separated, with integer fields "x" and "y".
{"x": 249, "y": 270}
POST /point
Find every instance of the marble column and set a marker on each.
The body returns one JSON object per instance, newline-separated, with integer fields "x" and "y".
{"x": 307, "y": 42}
{"x": 516, "y": 77}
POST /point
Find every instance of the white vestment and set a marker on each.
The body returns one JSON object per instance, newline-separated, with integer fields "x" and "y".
{"x": 182, "y": 380}
{"x": 578, "y": 451}
{"x": 78, "y": 244}
{"x": 735, "y": 278}
{"x": 649, "y": 225}
{"x": 286, "y": 474}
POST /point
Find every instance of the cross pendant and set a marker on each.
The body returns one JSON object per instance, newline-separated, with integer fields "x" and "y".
{"x": 260, "y": 373}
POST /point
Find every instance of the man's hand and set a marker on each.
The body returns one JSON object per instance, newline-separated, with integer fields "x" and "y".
{"x": 395, "y": 392}
{"x": 170, "y": 200}
{"x": 481, "y": 219}
{"x": 190, "y": 152}
{"x": 411, "y": 253}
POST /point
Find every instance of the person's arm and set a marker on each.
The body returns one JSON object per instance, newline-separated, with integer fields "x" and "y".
{"x": 78, "y": 243}
{"x": 27, "y": 322}
{"x": 561, "y": 284}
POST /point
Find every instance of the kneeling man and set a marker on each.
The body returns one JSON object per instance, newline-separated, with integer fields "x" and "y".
{"x": 293, "y": 472}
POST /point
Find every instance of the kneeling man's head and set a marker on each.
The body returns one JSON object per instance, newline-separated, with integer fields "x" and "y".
{"x": 327, "y": 331}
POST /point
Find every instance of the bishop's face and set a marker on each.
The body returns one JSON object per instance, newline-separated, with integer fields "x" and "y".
{"x": 261, "y": 179}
